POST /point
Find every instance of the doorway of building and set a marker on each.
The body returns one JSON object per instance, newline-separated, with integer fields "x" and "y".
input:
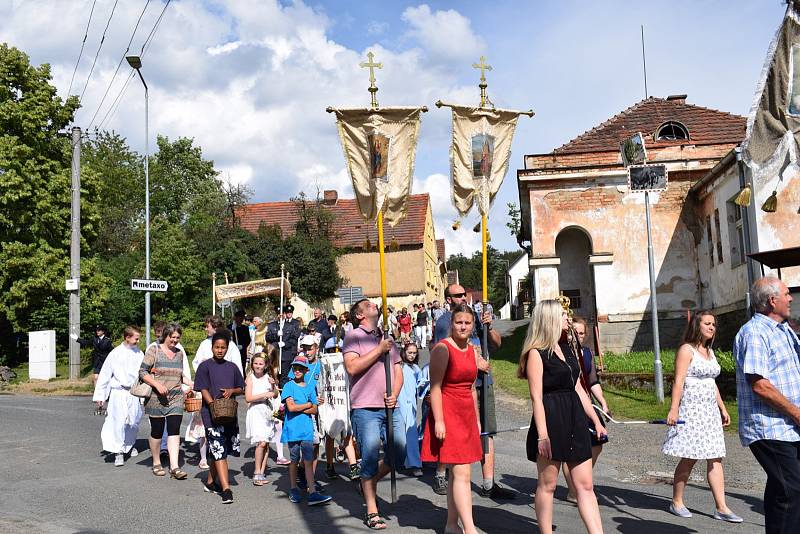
{"x": 573, "y": 247}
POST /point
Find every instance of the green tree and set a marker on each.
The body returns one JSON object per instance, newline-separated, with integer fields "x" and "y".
{"x": 35, "y": 200}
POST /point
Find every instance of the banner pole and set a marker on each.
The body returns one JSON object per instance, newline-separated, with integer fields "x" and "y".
{"x": 485, "y": 340}
{"x": 280, "y": 329}
{"x": 387, "y": 363}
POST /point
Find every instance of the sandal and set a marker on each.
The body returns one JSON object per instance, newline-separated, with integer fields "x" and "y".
{"x": 177, "y": 474}
{"x": 375, "y": 522}
{"x": 158, "y": 471}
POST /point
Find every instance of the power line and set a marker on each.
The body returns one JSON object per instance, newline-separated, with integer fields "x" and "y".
{"x": 85, "y": 35}
{"x": 153, "y": 31}
{"x": 145, "y": 46}
{"x": 102, "y": 40}
{"x": 118, "y": 65}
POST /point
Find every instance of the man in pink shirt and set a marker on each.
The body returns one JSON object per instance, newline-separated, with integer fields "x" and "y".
{"x": 364, "y": 352}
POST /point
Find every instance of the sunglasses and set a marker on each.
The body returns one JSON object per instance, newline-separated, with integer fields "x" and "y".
{"x": 307, "y": 347}
{"x": 458, "y": 295}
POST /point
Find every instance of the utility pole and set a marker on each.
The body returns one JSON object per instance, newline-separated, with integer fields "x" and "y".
{"x": 75, "y": 260}
{"x": 659, "y": 377}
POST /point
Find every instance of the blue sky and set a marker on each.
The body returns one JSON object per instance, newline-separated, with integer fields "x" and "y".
{"x": 250, "y": 79}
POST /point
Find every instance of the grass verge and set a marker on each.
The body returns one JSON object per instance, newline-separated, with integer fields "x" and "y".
{"x": 624, "y": 404}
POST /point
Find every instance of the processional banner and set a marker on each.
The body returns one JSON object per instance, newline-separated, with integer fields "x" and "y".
{"x": 770, "y": 147}
{"x": 379, "y": 150}
{"x": 334, "y": 413}
{"x": 479, "y": 155}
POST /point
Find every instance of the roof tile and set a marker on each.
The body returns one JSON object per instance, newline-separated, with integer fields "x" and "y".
{"x": 351, "y": 229}
{"x": 706, "y": 126}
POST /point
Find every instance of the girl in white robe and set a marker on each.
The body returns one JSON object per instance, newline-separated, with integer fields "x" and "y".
{"x": 116, "y": 377}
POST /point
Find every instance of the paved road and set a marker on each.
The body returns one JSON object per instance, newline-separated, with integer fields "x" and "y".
{"x": 53, "y": 479}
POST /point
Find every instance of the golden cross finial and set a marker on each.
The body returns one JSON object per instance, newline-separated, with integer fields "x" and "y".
{"x": 484, "y": 67}
{"x": 371, "y": 65}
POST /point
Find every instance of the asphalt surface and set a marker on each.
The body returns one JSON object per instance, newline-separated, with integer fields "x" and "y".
{"x": 54, "y": 479}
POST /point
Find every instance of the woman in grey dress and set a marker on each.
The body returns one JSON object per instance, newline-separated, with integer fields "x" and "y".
{"x": 697, "y": 402}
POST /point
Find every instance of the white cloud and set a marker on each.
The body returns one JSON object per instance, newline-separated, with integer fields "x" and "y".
{"x": 445, "y": 35}
{"x": 377, "y": 28}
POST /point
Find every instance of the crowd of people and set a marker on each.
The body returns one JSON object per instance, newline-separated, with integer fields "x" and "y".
{"x": 276, "y": 367}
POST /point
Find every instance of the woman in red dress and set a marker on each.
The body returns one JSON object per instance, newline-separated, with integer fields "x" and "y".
{"x": 453, "y": 434}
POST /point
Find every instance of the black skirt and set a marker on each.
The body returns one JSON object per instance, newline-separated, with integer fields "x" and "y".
{"x": 567, "y": 428}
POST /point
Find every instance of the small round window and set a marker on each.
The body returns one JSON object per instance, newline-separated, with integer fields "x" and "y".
{"x": 672, "y": 131}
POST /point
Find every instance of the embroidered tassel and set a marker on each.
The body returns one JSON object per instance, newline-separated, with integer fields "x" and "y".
{"x": 743, "y": 198}
{"x": 771, "y": 204}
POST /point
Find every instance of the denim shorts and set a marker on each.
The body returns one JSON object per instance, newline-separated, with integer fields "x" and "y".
{"x": 301, "y": 449}
{"x": 369, "y": 429}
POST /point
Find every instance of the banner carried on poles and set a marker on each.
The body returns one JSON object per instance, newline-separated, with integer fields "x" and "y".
{"x": 479, "y": 154}
{"x": 334, "y": 413}
{"x": 379, "y": 150}
{"x": 770, "y": 147}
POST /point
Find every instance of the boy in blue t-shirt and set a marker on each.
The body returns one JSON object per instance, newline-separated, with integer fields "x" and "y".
{"x": 298, "y": 430}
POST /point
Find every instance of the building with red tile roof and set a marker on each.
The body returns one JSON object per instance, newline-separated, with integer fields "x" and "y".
{"x": 414, "y": 257}
{"x": 587, "y": 231}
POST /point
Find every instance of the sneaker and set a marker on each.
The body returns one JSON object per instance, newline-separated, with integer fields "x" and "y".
{"x": 211, "y": 488}
{"x": 680, "y": 511}
{"x": 416, "y": 472}
{"x": 227, "y": 496}
{"x": 439, "y": 485}
{"x": 282, "y": 461}
{"x": 730, "y": 517}
{"x": 497, "y": 492}
{"x": 134, "y": 452}
{"x": 331, "y": 473}
{"x": 295, "y": 496}
{"x": 119, "y": 460}
{"x": 318, "y": 498}
{"x": 355, "y": 472}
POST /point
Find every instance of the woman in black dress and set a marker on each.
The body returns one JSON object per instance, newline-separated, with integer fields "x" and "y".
{"x": 559, "y": 428}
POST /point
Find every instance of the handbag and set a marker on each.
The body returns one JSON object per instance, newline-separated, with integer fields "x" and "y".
{"x": 141, "y": 389}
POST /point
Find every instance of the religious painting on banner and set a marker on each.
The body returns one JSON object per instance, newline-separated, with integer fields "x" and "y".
{"x": 333, "y": 386}
{"x": 379, "y": 149}
{"x": 479, "y": 155}
{"x": 379, "y": 156}
{"x": 643, "y": 178}
{"x": 482, "y": 154}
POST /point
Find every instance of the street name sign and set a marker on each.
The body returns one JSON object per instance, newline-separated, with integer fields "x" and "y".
{"x": 149, "y": 285}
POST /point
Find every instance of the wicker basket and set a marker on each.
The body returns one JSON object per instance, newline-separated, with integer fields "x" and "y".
{"x": 192, "y": 403}
{"x": 223, "y": 411}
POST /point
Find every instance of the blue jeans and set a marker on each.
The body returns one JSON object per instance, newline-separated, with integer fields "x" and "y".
{"x": 369, "y": 428}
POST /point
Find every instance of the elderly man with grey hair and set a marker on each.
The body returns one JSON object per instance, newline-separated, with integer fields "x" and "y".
{"x": 767, "y": 353}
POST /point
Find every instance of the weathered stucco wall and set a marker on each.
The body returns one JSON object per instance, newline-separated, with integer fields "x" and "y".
{"x": 723, "y": 283}
{"x": 615, "y": 221}
{"x": 405, "y": 273}
{"x": 782, "y": 228}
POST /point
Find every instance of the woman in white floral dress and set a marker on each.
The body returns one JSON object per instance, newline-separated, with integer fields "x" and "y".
{"x": 696, "y": 401}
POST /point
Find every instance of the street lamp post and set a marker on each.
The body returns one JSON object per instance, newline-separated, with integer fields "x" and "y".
{"x": 136, "y": 63}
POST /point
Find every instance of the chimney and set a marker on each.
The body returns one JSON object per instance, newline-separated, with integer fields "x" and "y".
{"x": 680, "y": 99}
{"x": 329, "y": 197}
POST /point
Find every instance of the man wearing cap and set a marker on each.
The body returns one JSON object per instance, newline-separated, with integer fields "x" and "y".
{"x": 284, "y": 334}
{"x": 101, "y": 347}
{"x": 364, "y": 352}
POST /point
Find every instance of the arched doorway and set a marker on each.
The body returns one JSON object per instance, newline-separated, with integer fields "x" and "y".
{"x": 573, "y": 248}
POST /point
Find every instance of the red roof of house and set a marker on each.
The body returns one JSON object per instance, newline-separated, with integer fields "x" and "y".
{"x": 351, "y": 230}
{"x": 706, "y": 126}
{"x": 440, "y": 250}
